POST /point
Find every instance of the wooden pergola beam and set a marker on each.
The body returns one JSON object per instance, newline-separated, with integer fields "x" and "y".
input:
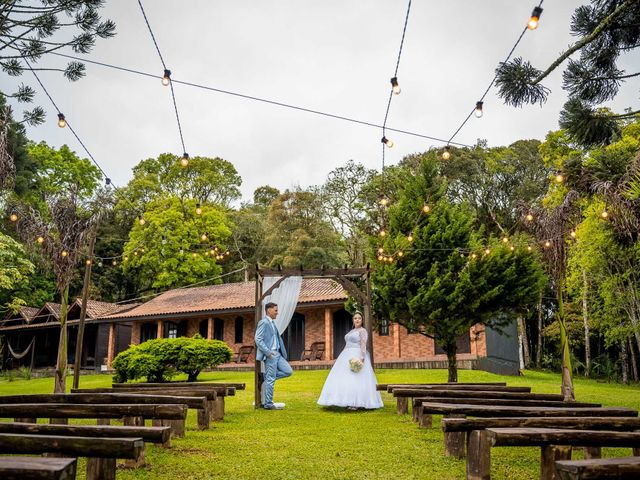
{"x": 315, "y": 272}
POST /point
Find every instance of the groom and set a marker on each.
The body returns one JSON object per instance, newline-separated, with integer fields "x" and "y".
{"x": 271, "y": 350}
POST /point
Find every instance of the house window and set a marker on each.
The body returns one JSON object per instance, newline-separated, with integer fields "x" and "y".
{"x": 170, "y": 330}
{"x": 203, "y": 329}
{"x": 239, "y": 326}
{"x": 148, "y": 331}
{"x": 383, "y": 327}
{"x": 218, "y": 329}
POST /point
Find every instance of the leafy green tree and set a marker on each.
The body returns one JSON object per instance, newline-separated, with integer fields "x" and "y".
{"x": 31, "y": 31}
{"x": 15, "y": 270}
{"x": 265, "y": 195}
{"x": 606, "y": 30}
{"x": 445, "y": 281}
{"x": 168, "y": 250}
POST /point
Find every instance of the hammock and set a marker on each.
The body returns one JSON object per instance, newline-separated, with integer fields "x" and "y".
{"x": 18, "y": 356}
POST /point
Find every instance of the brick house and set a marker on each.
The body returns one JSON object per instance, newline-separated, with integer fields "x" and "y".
{"x": 227, "y": 312}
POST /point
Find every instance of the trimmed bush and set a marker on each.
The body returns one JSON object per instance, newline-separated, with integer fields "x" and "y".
{"x": 158, "y": 360}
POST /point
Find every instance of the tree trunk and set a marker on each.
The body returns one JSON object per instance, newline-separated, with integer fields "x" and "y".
{"x": 567, "y": 380}
{"x": 585, "y": 320}
{"x": 524, "y": 343}
{"x": 539, "y": 342}
{"x": 60, "y": 385}
{"x": 633, "y": 360}
{"x": 624, "y": 360}
{"x": 452, "y": 362}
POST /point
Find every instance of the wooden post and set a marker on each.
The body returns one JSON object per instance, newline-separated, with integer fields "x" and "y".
{"x": 111, "y": 348}
{"x": 104, "y": 421}
{"x": 397, "y": 351}
{"x": 368, "y": 320}
{"x": 636, "y": 451}
{"x": 258, "y": 313}
{"x": 101, "y": 468}
{"x": 403, "y": 405}
{"x": 210, "y": 328}
{"x": 218, "y": 414}
{"x": 478, "y": 456}
{"x": 328, "y": 334}
{"x": 140, "y": 461}
{"x": 592, "y": 452}
{"x": 83, "y": 311}
{"x": 454, "y": 441}
{"x": 549, "y": 455}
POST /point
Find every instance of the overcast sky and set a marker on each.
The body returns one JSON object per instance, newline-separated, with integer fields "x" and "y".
{"x": 332, "y": 55}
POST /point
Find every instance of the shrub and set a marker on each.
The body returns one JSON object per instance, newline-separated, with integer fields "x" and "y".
{"x": 25, "y": 373}
{"x": 158, "y": 360}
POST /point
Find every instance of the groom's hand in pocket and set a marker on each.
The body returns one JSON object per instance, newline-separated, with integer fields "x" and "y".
{"x": 272, "y": 354}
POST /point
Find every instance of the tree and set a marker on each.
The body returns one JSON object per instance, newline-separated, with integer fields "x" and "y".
{"x": 31, "y": 30}
{"x": 15, "y": 270}
{"x": 168, "y": 250}
{"x": 445, "y": 281}
{"x": 606, "y": 30}
{"x": 265, "y": 195}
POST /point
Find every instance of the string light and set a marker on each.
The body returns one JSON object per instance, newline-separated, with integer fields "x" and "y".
{"x": 410, "y": 237}
{"x": 535, "y": 18}
{"x": 198, "y": 209}
{"x": 529, "y": 248}
{"x": 40, "y": 240}
{"x": 380, "y": 258}
{"x": 478, "y": 111}
{"x": 64, "y": 253}
{"x": 114, "y": 263}
{"x": 382, "y": 233}
{"x": 559, "y": 178}
{"x": 194, "y": 254}
{"x": 387, "y": 142}
{"x": 573, "y": 234}
{"x": 88, "y": 261}
{"x": 61, "y": 120}
{"x": 384, "y": 201}
{"x": 203, "y": 237}
{"x": 547, "y": 244}
{"x": 474, "y": 256}
{"x": 135, "y": 254}
{"x": 512, "y": 248}
{"x": 529, "y": 217}
{"x": 604, "y": 214}
{"x": 381, "y": 250}
{"x": 142, "y": 221}
{"x": 426, "y": 208}
{"x": 13, "y": 217}
{"x": 395, "y": 88}
{"x": 400, "y": 253}
{"x": 166, "y": 78}
{"x": 505, "y": 239}
{"x": 446, "y": 155}
{"x": 126, "y": 257}
{"x": 184, "y": 161}
{"x": 487, "y": 251}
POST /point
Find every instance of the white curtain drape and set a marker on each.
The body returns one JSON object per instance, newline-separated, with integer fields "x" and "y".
{"x": 286, "y": 296}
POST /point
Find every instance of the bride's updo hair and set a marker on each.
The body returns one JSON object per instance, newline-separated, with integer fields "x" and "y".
{"x": 358, "y": 312}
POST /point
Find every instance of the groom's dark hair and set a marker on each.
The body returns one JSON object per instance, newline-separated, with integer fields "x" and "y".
{"x": 270, "y": 305}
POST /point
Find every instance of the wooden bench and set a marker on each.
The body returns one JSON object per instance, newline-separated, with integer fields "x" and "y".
{"x": 101, "y": 452}
{"x": 623, "y": 468}
{"x": 403, "y": 401}
{"x": 243, "y": 354}
{"x": 36, "y": 468}
{"x": 200, "y": 403}
{"x": 476, "y": 436}
{"x": 237, "y": 386}
{"x": 315, "y": 353}
{"x": 384, "y": 386}
{"x": 556, "y": 443}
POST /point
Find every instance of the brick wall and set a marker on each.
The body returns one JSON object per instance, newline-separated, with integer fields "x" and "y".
{"x": 135, "y": 333}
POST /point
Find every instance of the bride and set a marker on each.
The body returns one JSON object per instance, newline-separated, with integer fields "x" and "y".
{"x": 346, "y": 385}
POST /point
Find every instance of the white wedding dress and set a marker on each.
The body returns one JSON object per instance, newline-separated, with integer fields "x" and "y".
{"x": 344, "y": 388}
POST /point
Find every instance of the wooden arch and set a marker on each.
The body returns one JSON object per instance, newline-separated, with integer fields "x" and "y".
{"x": 344, "y": 276}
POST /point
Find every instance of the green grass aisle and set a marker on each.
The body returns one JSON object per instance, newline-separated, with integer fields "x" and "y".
{"x": 305, "y": 441}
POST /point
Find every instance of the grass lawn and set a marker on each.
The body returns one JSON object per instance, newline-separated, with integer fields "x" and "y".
{"x": 305, "y": 441}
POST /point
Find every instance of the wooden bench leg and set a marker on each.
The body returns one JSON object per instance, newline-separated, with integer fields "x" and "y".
{"x": 104, "y": 421}
{"x": 549, "y": 455}
{"x": 403, "y": 405}
{"x": 219, "y": 409}
{"x": 592, "y": 452}
{"x": 426, "y": 421}
{"x": 454, "y": 441}
{"x": 478, "y": 456}
{"x": 636, "y": 452}
{"x": 59, "y": 421}
{"x": 160, "y": 423}
{"x": 415, "y": 411}
{"x": 25, "y": 420}
{"x": 211, "y": 408}
{"x": 140, "y": 461}
{"x": 203, "y": 419}
{"x": 101, "y": 468}
{"x": 177, "y": 428}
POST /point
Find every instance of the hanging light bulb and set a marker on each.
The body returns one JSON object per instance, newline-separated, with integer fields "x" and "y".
{"x": 382, "y": 233}
{"x": 194, "y": 254}
{"x": 135, "y": 254}
{"x": 380, "y": 257}
{"x": 426, "y": 208}
{"x": 410, "y": 237}
{"x": 387, "y": 142}
{"x": 446, "y": 155}
{"x": 114, "y": 263}
{"x": 142, "y": 221}
{"x": 88, "y": 262}
{"x": 535, "y": 18}
{"x": 559, "y": 178}
{"x": 473, "y": 255}
{"x": 573, "y": 234}
{"x": 505, "y": 239}
{"x": 604, "y": 214}
{"x": 166, "y": 78}
{"x": 529, "y": 248}
{"x": 478, "y": 111}
{"x": 512, "y": 248}
{"x": 184, "y": 161}
{"x": 40, "y": 240}
{"x": 547, "y": 244}
{"x": 384, "y": 201}
{"x": 395, "y": 88}
{"x": 126, "y": 257}
{"x": 487, "y": 251}
{"x": 400, "y": 253}
{"x": 198, "y": 209}
{"x": 203, "y": 237}
{"x": 64, "y": 253}
{"x": 381, "y": 250}
{"x": 206, "y": 253}
{"x": 61, "y": 120}
{"x": 529, "y": 217}
{"x": 13, "y": 217}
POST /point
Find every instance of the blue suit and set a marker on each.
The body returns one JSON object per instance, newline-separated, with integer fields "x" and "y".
{"x": 272, "y": 352}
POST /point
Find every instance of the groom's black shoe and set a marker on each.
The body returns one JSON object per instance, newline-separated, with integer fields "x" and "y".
{"x": 272, "y": 407}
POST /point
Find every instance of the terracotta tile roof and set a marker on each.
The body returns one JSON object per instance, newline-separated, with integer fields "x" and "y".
{"x": 98, "y": 309}
{"x": 228, "y": 296}
{"x": 28, "y": 312}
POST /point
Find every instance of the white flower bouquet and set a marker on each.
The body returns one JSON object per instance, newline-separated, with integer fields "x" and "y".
{"x": 355, "y": 364}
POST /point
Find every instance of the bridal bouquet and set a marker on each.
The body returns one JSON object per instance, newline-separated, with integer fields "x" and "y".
{"x": 355, "y": 364}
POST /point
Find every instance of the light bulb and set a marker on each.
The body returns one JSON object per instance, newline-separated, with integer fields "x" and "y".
{"x": 203, "y": 237}
{"x": 410, "y": 237}
{"x": 505, "y": 239}
{"x": 194, "y": 254}
{"x": 13, "y": 217}
{"x": 387, "y": 142}
{"x": 473, "y": 255}
{"x": 426, "y": 208}
{"x": 381, "y": 250}
{"x": 40, "y": 240}
{"x": 184, "y": 161}
{"x": 114, "y": 263}
{"x": 478, "y": 111}
{"x": 547, "y": 244}
{"x": 400, "y": 253}
{"x": 512, "y": 248}
{"x": 529, "y": 248}
{"x": 446, "y": 155}
{"x": 573, "y": 234}
{"x": 395, "y": 88}
{"x": 198, "y": 209}
{"x": 135, "y": 254}
{"x": 382, "y": 233}
{"x": 529, "y": 217}
{"x": 142, "y": 221}
{"x": 487, "y": 251}
{"x": 126, "y": 258}
{"x": 61, "y": 121}
{"x": 535, "y": 18}
{"x": 380, "y": 257}
{"x": 559, "y": 178}
{"x": 166, "y": 78}
{"x": 604, "y": 214}
{"x": 64, "y": 253}
{"x": 88, "y": 262}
